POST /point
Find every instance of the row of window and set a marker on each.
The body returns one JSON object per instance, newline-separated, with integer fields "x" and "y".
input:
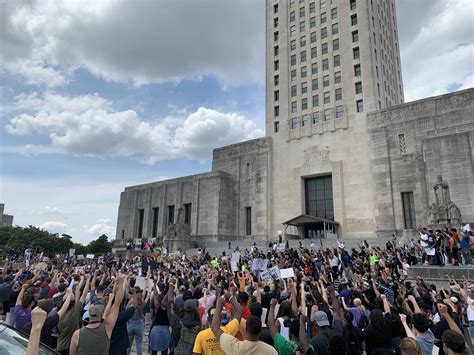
{"x": 170, "y": 220}
{"x": 322, "y": 16}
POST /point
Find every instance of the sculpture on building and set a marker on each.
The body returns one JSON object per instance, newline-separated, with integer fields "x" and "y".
{"x": 178, "y": 234}
{"x": 443, "y": 210}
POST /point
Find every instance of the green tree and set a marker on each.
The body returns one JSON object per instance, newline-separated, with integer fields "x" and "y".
{"x": 100, "y": 246}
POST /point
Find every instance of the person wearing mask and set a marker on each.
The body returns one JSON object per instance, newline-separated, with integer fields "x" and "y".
{"x": 94, "y": 338}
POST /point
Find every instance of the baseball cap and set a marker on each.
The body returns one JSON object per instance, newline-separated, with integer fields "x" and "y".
{"x": 321, "y": 319}
{"x": 95, "y": 311}
{"x": 190, "y": 305}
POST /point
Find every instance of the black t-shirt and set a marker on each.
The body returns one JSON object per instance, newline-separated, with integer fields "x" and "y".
{"x": 376, "y": 338}
{"x": 354, "y": 339}
{"x": 320, "y": 342}
{"x": 266, "y": 337}
{"x": 49, "y": 324}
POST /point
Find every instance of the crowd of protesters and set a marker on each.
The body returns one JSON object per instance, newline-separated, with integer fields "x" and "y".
{"x": 315, "y": 301}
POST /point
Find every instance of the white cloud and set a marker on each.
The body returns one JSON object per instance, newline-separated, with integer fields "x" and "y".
{"x": 53, "y": 226}
{"x": 437, "y": 46}
{"x": 87, "y": 125}
{"x": 103, "y": 226}
{"x": 142, "y": 42}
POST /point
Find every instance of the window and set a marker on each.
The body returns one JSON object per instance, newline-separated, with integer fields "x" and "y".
{"x": 402, "y": 145}
{"x": 302, "y": 11}
{"x": 324, "y": 48}
{"x": 123, "y": 233}
{"x": 304, "y": 121}
{"x": 314, "y": 85}
{"x": 337, "y": 61}
{"x": 355, "y": 36}
{"x": 292, "y": 30}
{"x": 315, "y": 117}
{"x": 276, "y": 95}
{"x": 324, "y": 32}
{"x": 327, "y": 97}
{"x": 314, "y": 52}
{"x": 335, "y": 29}
{"x": 337, "y": 77}
{"x": 292, "y": 16}
{"x": 325, "y": 64}
{"x": 276, "y": 64}
{"x": 295, "y": 122}
{"x": 326, "y": 81}
{"x": 360, "y": 105}
{"x": 187, "y": 213}
{"x": 293, "y": 60}
{"x": 327, "y": 114}
{"x": 276, "y": 50}
{"x": 323, "y": 18}
{"x": 377, "y": 71}
{"x": 248, "y": 220}
{"x": 292, "y": 3}
{"x": 338, "y": 94}
{"x": 293, "y": 74}
{"x": 334, "y": 13}
{"x": 304, "y": 104}
{"x": 315, "y": 100}
{"x": 339, "y": 111}
{"x": 302, "y": 26}
{"x": 170, "y": 214}
{"x": 304, "y": 88}
{"x": 312, "y": 22}
{"x": 303, "y": 41}
{"x": 313, "y": 37}
{"x": 275, "y": 22}
{"x": 276, "y": 126}
{"x": 322, "y": 4}
{"x": 314, "y": 68}
{"x": 312, "y": 7}
{"x": 356, "y": 53}
{"x": 335, "y": 44}
{"x": 154, "y": 230}
{"x": 293, "y": 45}
{"x": 275, "y": 36}
{"x": 141, "y": 216}
{"x": 303, "y": 56}
{"x": 358, "y": 87}
{"x": 293, "y": 91}
{"x": 375, "y": 51}
{"x": 275, "y": 8}
{"x": 276, "y": 79}
{"x": 408, "y": 210}
{"x": 294, "y": 107}
{"x": 276, "y": 111}
{"x": 354, "y": 20}
{"x": 353, "y": 4}
{"x": 357, "y": 71}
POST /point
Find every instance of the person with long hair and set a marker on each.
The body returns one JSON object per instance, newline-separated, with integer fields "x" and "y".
{"x": 378, "y": 335}
{"x": 410, "y": 346}
{"x": 353, "y": 335}
{"x": 137, "y": 323}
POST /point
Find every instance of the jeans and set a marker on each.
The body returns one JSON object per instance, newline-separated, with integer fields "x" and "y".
{"x": 135, "y": 329}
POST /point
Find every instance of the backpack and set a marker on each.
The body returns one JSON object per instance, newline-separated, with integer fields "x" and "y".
{"x": 186, "y": 340}
{"x": 363, "y": 321}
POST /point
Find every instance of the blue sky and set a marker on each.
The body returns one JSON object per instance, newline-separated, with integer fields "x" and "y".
{"x": 96, "y": 96}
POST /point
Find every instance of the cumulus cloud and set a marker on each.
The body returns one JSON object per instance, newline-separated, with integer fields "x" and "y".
{"x": 53, "y": 226}
{"x": 103, "y": 226}
{"x": 142, "y": 42}
{"x": 437, "y": 46}
{"x": 88, "y": 125}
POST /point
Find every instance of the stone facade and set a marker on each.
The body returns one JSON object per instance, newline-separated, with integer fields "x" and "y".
{"x": 228, "y": 203}
{"x": 6, "y": 220}
{"x": 411, "y": 145}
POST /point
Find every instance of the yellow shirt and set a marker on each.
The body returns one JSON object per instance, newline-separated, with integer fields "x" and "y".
{"x": 207, "y": 344}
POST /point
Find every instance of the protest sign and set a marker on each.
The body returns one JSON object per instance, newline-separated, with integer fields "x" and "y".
{"x": 90, "y": 256}
{"x": 41, "y": 266}
{"x": 270, "y": 274}
{"x": 235, "y": 257}
{"x": 233, "y": 266}
{"x": 287, "y": 273}
{"x": 18, "y": 266}
{"x": 140, "y": 282}
{"x": 259, "y": 264}
{"x": 80, "y": 257}
{"x": 72, "y": 252}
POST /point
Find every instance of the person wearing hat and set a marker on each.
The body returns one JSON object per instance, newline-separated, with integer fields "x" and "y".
{"x": 185, "y": 327}
{"x": 206, "y": 341}
{"x": 94, "y": 338}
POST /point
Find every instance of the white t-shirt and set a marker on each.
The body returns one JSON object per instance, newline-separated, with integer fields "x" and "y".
{"x": 405, "y": 267}
{"x": 334, "y": 261}
{"x": 470, "y": 309}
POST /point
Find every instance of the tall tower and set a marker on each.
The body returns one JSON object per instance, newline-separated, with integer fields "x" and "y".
{"x": 328, "y": 62}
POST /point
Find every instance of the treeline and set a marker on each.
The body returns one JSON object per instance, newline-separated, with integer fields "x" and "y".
{"x": 19, "y": 239}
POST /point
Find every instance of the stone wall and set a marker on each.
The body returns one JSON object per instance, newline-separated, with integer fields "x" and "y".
{"x": 6, "y": 220}
{"x": 411, "y": 145}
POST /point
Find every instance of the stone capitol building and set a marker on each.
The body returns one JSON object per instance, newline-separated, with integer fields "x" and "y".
{"x": 343, "y": 153}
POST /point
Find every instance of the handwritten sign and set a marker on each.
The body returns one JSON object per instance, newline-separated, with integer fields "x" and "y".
{"x": 287, "y": 273}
